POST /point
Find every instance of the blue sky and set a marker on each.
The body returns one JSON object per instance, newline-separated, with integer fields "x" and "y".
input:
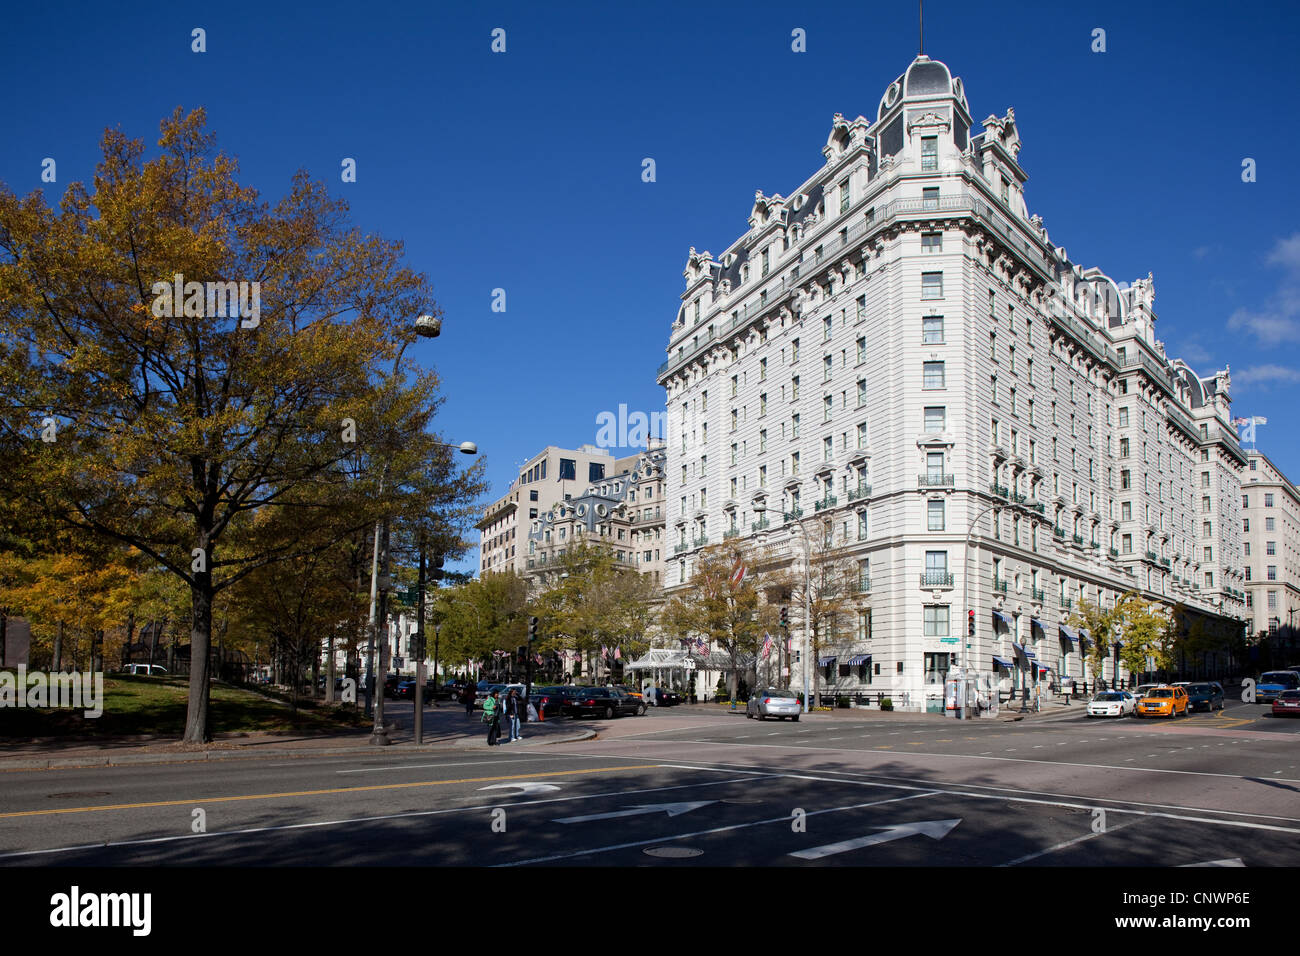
{"x": 521, "y": 170}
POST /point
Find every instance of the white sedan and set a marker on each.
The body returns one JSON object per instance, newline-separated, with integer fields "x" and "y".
{"x": 1112, "y": 703}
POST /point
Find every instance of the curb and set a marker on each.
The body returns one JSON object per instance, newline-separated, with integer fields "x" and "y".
{"x": 92, "y": 761}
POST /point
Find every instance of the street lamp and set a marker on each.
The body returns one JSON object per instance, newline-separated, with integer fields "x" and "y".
{"x": 760, "y": 508}
{"x": 965, "y": 594}
{"x": 428, "y": 327}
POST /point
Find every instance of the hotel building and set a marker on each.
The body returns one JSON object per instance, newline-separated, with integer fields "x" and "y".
{"x": 898, "y": 350}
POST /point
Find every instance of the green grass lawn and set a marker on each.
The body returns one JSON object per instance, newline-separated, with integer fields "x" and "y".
{"x": 156, "y": 705}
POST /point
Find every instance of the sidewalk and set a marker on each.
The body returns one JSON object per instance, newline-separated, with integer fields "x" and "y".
{"x": 445, "y": 729}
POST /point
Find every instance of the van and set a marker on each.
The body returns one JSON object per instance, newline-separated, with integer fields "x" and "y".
{"x": 149, "y": 670}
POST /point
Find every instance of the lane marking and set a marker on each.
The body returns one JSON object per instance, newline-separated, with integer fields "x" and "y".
{"x": 310, "y": 793}
{"x": 1061, "y": 846}
{"x": 1049, "y": 763}
{"x": 400, "y": 816}
{"x": 439, "y": 766}
{"x": 686, "y": 836}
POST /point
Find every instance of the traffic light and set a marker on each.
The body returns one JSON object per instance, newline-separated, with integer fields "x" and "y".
{"x": 785, "y": 617}
{"x": 532, "y": 629}
{"x": 796, "y": 657}
{"x": 970, "y": 623}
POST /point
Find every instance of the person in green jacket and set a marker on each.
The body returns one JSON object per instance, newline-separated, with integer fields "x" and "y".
{"x": 492, "y": 717}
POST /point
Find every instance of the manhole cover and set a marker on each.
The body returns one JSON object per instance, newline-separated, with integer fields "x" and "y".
{"x": 76, "y": 794}
{"x": 672, "y": 852}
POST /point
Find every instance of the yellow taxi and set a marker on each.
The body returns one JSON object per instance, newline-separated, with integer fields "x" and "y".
{"x": 1163, "y": 701}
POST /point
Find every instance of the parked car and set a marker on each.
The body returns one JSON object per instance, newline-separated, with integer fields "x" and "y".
{"x": 150, "y": 670}
{"x": 1287, "y": 704}
{"x": 1142, "y": 690}
{"x": 662, "y": 697}
{"x": 772, "y": 702}
{"x": 1207, "y": 694}
{"x": 1112, "y": 703}
{"x": 550, "y": 701}
{"x": 1163, "y": 701}
{"x": 390, "y": 685}
{"x": 1273, "y": 683}
{"x": 604, "y": 702}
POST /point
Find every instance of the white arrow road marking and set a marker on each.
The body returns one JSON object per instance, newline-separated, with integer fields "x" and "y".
{"x": 934, "y": 829}
{"x": 1234, "y": 861}
{"x": 672, "y": 809}
{"x": 524, "y": 787}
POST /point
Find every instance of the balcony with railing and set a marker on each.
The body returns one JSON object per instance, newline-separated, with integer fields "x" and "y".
{"x": 830, "y": 501}
{"x": 1059, "y": 532}
{"x": 1018, "y": 498}
{"x": 1114, "y": 553}
{"x": 701, "y": 541}
{"x": 1038, "y": 595}
{"x": 936, "y": 480}
{"x": 1000, "y": 585}
{"x": 1066, "y": 604}
{"x": 864, "y": 584}
{"x": 936, "y": 579}
{"x": 730, "y": 533}
{"x": 1078, "y": 539}
{"x": 861, "y": 491}
{"x": 678, "y": 549}
{"x": 1001, "y": 491}
{"x": 794, "y": 514}
{"x": 1151, "y": 556}
{"x": 762, "y": 524}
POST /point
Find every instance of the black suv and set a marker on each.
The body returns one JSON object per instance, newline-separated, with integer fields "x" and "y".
{"x": 1206, "y": 694}
{"x": 602, "y": 702}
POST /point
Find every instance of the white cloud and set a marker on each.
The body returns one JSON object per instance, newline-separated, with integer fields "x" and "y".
{"x": 1266, "y": 374}
{"x": 1279, "y": 320}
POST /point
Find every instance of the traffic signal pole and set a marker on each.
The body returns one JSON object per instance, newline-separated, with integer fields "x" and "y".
{"x": 419, "y": 650}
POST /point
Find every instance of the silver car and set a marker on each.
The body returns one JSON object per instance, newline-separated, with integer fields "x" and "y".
{"x": 772, "y": 702}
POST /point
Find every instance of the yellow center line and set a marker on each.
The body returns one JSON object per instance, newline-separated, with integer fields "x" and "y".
{"x": 315, "y": 793}
{"x": 885, "y": 747}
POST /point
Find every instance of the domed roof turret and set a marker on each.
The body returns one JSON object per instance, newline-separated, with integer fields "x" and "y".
{"x": 926, "y": 76}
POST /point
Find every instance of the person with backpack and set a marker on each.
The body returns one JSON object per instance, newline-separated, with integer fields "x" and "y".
{"x": 492, "y": 717}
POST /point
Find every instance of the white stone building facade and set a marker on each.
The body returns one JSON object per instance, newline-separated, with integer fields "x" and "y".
{"x": 898, "y": 348}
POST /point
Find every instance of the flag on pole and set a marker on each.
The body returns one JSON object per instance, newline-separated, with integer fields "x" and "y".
{"x": 738, "y": 572}
{"x": 618, "y": 653}
{"x": 701, "y": 648}
{"x": 767, "y": 645}
{"x": 604, "y": 651}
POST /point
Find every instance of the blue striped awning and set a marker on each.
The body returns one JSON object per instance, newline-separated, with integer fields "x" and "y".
{"x": 1003, "y": 663}
{"x": 1004, "y": 619}
{"x": 1021, "y": 656}
{"x": 858, "y": 659}
{"x": 1035, "y": 622}
{"x": 1069, "y": 634}
{"x": 1084, "y": 639}
{"x": 826, "y": 661}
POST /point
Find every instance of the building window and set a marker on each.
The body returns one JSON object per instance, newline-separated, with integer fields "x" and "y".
{"x": 827, "y": 368}
{"x": 929, "y": 154}
{"x": 930, "y": 197}
{"x": 936, "y": 418}
{"x": 794, "y": 426}
{"x": 932, "y": 285}
{"x": 862, "y": 350}
{"x": 932, "y": 242}
{"x": 862, "y": 392}
{"x": 827, "y": 326}
{"x": 1272, "y": 600}
{"x": 844, "y": 196}
{"x": 827, "y": 406}
{"x": 1268, "y": 501}
{"x": 794, "y": 388}
{"x": 936, "y": 625}
{"x": 862, "y": 434}
{"x": 862, "y": 526}
{"x": 934, "y": 514}
{"x": 932, "y": 330}
{"x": 932, "y": 375}
{"x": 1268, "y": 524}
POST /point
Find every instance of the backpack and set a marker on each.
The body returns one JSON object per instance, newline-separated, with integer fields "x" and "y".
{"x": 489, "y": 708}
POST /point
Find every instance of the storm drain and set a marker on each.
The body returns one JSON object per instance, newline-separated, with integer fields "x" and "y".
{"x": 672, "y": 852}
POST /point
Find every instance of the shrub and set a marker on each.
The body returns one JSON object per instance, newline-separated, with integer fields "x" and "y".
{"x": 886, "y": 703}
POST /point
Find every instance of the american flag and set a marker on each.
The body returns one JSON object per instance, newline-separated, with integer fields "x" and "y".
{"x": 604, "y": 651}
{"x": 701, "y": 648}
{"x": 767, "y": 645}
{"x": 618, "y": 653}
{"x": 738, "y": 572}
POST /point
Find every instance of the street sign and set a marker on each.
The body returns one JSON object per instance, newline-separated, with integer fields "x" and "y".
{"x": 947, "y": 640}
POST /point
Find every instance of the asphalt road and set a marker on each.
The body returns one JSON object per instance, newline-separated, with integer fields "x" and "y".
{"x": 684, "y": 787}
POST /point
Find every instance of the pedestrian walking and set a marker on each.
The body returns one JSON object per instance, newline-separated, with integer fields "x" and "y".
{"x": 514, "y": 708}
{"x": 467, "y": 698}
{"x": 492, "y": 717}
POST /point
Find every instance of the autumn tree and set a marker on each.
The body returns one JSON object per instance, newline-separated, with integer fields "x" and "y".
{"x": 182, "y": 364}
{"x": 718, "y": 607}
{"x": 591, "y": 600}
